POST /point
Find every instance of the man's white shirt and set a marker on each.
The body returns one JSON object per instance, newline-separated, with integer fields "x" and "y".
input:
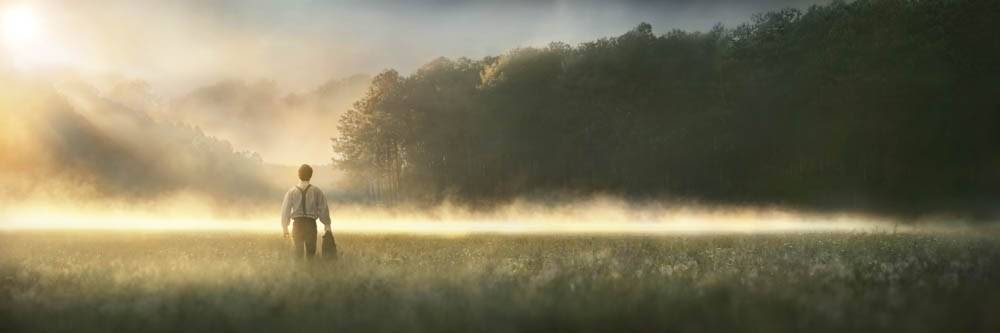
{"x": 315, "y": 204}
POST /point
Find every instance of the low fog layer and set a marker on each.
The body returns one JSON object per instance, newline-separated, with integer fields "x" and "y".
{"x": 595, "y": 215}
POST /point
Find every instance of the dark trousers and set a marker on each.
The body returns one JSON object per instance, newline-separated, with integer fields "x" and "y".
{"x": 304, "y": 237}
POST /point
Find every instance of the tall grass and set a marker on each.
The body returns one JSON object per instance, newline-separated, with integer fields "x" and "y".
{"x": 100, "y": 281}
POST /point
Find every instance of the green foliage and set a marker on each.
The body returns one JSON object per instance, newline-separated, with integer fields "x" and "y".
{"x": 874, "y": 105}
{"x": 170, "y": 282}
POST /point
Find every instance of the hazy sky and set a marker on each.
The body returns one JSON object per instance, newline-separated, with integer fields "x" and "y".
{"x": 180, "y": 43}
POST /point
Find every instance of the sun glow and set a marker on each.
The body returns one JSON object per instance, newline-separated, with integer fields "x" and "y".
{"x": 26, "y": 41}
{"x": 20, "y": 26}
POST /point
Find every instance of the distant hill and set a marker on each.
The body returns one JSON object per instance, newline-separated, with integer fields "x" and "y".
{"x": 68, "y": 140}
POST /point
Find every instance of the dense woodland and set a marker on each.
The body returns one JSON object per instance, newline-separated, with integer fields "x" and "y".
{"x": 886, "y": 106}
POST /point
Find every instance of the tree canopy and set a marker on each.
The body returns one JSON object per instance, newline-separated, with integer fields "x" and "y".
{"x": 873, "y": 105}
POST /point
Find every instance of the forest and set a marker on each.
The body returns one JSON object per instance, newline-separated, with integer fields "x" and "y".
{"x": 877, "y": 106}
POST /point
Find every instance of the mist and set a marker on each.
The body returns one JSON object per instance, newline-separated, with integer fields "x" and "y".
{"x": 500, "y": 166}
{"x": 284, "y": 129}
{"x": 203, "y": 64}
{"x": 63, "y": 140}
{"x": 208, "y": 108}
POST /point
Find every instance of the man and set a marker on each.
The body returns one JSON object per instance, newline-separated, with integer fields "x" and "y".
{"x": 303, "y": 205}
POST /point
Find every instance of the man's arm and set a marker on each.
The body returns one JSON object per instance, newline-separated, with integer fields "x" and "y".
{"x": 286, "y": 212}
{"x": 324, "y": 210}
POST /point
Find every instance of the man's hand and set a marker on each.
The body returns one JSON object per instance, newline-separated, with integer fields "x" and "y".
{"x": 326, "y": 227}
{"x": 284, "y": 232}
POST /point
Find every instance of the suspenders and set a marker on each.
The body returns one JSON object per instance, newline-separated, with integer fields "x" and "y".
{"x": 306, "y": 190}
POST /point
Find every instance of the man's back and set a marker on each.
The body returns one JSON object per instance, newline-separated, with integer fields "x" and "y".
{"x": 305, "y": 200}
{"x": 304, "y": 204}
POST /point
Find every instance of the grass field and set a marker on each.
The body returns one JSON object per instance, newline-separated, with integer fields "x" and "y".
{"x": 214, "y": 282}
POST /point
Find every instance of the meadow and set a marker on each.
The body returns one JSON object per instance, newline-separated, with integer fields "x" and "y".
{"x": 817, "y": 282}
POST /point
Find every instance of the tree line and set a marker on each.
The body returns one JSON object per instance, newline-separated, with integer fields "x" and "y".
{"x": 874, "y": 105}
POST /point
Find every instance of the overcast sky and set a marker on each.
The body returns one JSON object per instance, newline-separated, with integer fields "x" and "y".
{"x": 180, "y": 43}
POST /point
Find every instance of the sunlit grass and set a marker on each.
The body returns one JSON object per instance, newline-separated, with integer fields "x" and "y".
{"x": 190, "y": 281}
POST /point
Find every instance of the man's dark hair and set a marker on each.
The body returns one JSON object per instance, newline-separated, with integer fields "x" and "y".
{"x": 305, "y": 172}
